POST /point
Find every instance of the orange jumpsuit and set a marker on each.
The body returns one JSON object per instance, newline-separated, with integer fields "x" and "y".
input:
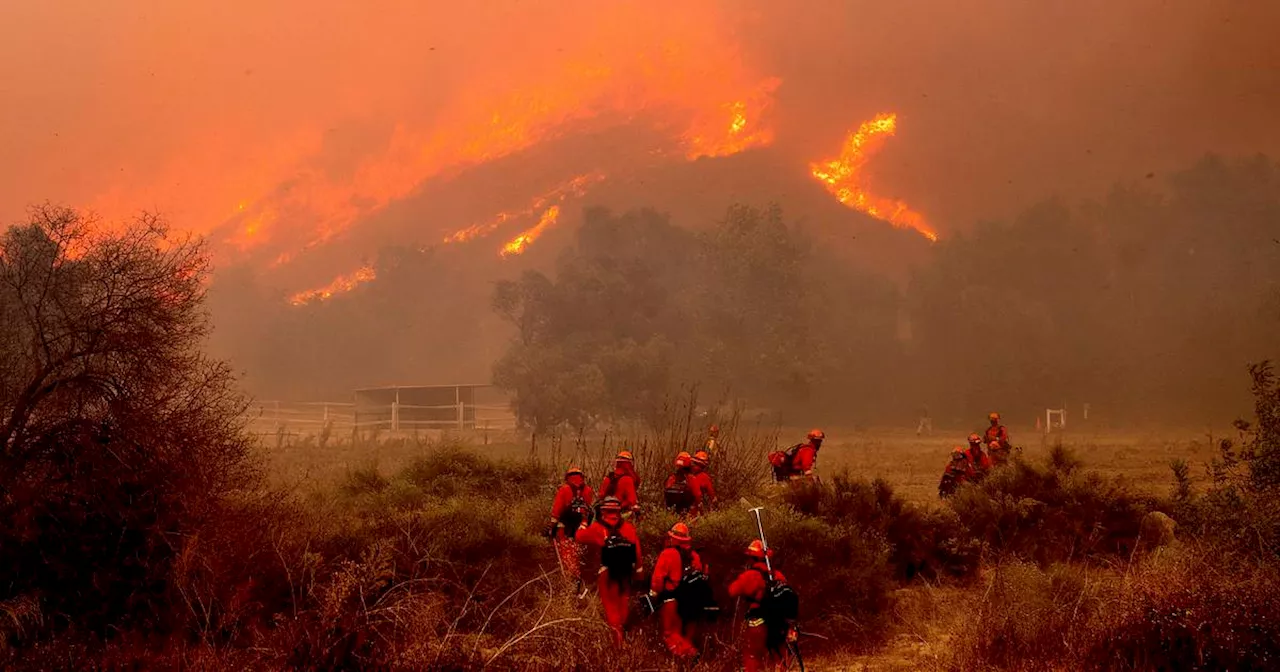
{"x": 615, "y": 596}
{"x": 979, "y": 460}
{"x": 996, "y": 433}
{"x": 750, "y": 586}
{"x": 570, "y": 552}
{"x": 703, "y": 481}
{"x": 667, "y": 572}
{"x": 806, "y": 456}
{"x": 695, "y": 489}
{"x": 623, "y": 487}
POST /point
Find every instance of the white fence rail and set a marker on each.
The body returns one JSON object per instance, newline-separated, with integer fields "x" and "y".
{"x": 344, "y": 417}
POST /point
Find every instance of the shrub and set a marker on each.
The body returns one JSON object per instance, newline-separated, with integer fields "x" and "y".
{"x": 1052, "y": 513}
{"x": 922, "y": 542}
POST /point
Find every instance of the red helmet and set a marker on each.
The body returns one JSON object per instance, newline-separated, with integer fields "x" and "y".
{"x": 995, "y": 445}
{"x": 572, "y": 471}
{"x": 715, "y": 429}
{"x": 683, "y": 459}
{"x": 701, "y": 458}
{"x": 816, "y": 435}
{"x": 679, "y": 533}
{"x": 993, "y": 416}
{"x": 957, "y": 453}
{"x": 624, "y": 456}
{"x": 974, "y": 438}
{"x": 757, "y": 550}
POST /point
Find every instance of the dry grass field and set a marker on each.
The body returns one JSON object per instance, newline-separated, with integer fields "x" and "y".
{"x": 912, "y": 464}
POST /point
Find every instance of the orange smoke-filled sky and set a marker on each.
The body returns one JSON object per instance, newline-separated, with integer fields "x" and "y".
{"x": 208, "y": 110}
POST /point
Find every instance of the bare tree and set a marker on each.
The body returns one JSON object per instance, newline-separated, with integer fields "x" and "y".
{"x": 118, "y": 435}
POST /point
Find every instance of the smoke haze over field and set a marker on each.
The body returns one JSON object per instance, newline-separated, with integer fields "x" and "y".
{"x": 308, "y": 138}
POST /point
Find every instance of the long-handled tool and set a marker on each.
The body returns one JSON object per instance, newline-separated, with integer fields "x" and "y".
{"x": 765, "y": 544}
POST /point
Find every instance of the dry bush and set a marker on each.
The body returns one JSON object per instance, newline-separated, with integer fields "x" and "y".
{"x": 1052, "y": 512}
{"x": 929, "y": 543}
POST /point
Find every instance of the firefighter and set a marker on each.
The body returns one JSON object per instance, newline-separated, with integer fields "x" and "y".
{"x": 703, "y": 478}
{"x": 768, "y": 624}
{"x": 682, "y": 491}
{"x": 997, "y": 432}
{"x": 797, "y": 462}
{"x": 713, "y": 440}
{"x": 999, "y": 454}
{"x": 957, "y": 472}
{"x": 570, "y": 509}
{"x": 806, "y": 456}
{"x": 623, "y": 484}
{"x": 978, "y": 457}
{"x": 620, "y": 559}
{"x": 670, "y": 571}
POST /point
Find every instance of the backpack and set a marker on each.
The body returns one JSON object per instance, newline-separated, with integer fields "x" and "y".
{"x": 695, "y": 599}
{"x": 783, "y": 462}
{"x": 576, "y": 513}
{"x": 618, "y": 555}
{"x": 780, "y": 603}
{"x": 679, "y": 495}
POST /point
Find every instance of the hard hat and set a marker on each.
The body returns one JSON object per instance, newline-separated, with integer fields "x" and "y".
{"x": 993, "y": 416}
{"x": 573, "y": 470}
{"x": 701, "y": 457}
{"x": 816, "y": 435}
{"x": 683, "y": 459}
{"x": 679, "y": 532}
{"x": 610, "y": 503}
{"x": 757, "y": 550}
{"x": 715, "y": 429}
{"x": 993, "y": 444}
{"x": 974, "y": 438}
{"x": 624, "y": 456}
{"x": 957, "y": 453}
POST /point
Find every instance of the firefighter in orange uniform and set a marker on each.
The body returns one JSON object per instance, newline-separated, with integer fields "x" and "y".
{"x": 957, "y": 472}
{"x": 997, "y": 432}
{"x": 682, "y": 491}
{"x": 978, "y": 457}
{"x": 673, "y": 562}
{"x": 623, "y": 483}
{"x": 751, "y": 585}
{"x": 703, "y": 479}
{"x": 806, "y": 456}
{"x": 570, "y": 509}
{"x": 620, "y": 559}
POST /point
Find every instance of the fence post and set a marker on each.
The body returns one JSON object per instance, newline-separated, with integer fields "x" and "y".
{"x": 461, "y": 415}
{"x": 395, "y": 416}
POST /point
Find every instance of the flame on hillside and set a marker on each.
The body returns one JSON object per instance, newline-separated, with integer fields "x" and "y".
{"x": 339, "y": 285}
{"x": 679, "y": 74}
{"x": 843, "y": 177}
{"x": 518, "y": 244}
{"x": 570, "y": 188}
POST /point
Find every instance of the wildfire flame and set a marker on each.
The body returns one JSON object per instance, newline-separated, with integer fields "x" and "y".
{"x": 570, "y": 188}
{"x": 340, "y": 284}
{"x": 518, "y": 244}
{"x": 843, "y": 177}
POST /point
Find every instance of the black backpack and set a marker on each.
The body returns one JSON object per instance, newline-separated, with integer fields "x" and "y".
{"x": 576, "y": 513}
{"x": 679, "y": 495}
{"x": 618, "y": 555}
{"x": 695, "y": 599}
{"x": 779, "y": 608}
